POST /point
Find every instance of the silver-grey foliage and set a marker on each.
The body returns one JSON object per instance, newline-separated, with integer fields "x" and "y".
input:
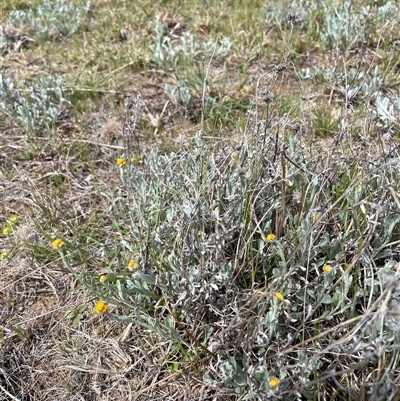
{"x": 36, "y": 105}
{"x": 51, "y": 18}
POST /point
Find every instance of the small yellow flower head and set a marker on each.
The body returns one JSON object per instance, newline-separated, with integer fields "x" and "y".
{"x": 57, "y": 244}
{"x": 314, "y": 218}
{"x": 100, "y": 307}
{"x": 235, "y": 158}
{"x": 103, "y": 278}
{"x": 274, "y": 383}
{"x": 121, "y": 162}
{"x": 13, "y": 219}
{"x": 4, "y": 255}
{"x": 132, "y": 265}
{"x": 6, "y": 231}
{"x": 278, "y": 296}
{"x": 135, "y": 159}
{"x": 327, "y": 269}
{"x": 235, "y": 155}
{"x": 271, "y": 237}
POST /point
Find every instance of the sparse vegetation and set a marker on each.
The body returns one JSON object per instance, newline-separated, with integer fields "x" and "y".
{"x": 199, "y": 201}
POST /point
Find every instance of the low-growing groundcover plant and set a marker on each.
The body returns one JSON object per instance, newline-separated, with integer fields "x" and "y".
{"x": 51, "y": 18}
{"x": 270, "y": 272}
{"x": 36, "y": 106}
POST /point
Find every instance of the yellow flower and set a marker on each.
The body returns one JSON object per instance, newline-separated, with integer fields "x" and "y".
{"x": 4, "y": 255}
{"x": 278, "y": 296}
{"x": 235, "y": 155}
{"x": 101, "y": 307}
{"x": 271, "y": 237}
{"x": 327, "y": 269}
{"x": 13, "y": 219}
{"x": 57, "y": 244}
{"x": 6, "y": 231}
{"x": 235, "y": 158}
{"x": 274, "y": 383}
{"x": 314, "y": 218}
{"x": 121, "y": 161}
{"x": 103, "y": 278}
{"x": 132, "y": 265}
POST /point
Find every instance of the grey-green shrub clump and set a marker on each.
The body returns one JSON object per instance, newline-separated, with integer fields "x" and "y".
{"x": 336, "y": 25}
{"x": 170, "y": 50}
{"x": 36, "y": 106}
{"x": 51, "y": 18}
{"x": 262, "y": 260}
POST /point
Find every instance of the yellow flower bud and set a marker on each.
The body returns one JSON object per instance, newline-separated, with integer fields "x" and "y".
{"x": 121, "y": 162}
{"x": 132, "y": 265}
{"x": 13, "y": 219}
{"x": 274, "y": 383}
{"x": 100, "y": 307}
{"x": 57, "y": 244}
